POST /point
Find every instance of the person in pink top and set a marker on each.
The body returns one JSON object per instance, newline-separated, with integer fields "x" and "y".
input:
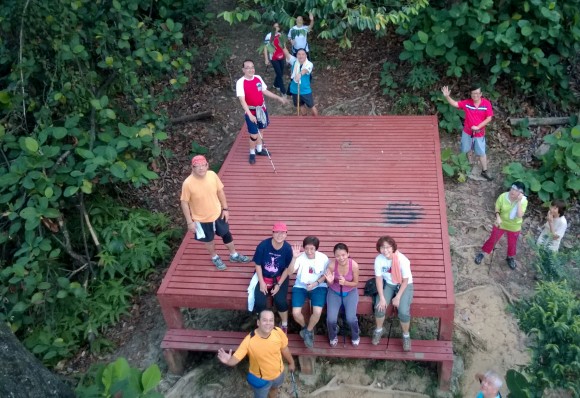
{"x": 342, "y": 278}
{"x": 478, "y": 114}
{"x": 274, "y": 54}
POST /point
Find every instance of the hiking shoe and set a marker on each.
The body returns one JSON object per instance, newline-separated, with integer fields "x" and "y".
{"x": 485, "y": 174}
{"x": 479, "y": 258}
{"x": 252, "y": 158}
{"x": 356, "y": 342}
{"x": 308, "y": 339}
{"x": 263, "y": 152}
{"x": 511, "y": 262}
{"x": 334, "y": 342}
{"x": 377, "y": 337}
{"x": 239, "y": 258}
{"x": 219, "y": 264}
{"x": 284, "y": 328}
{"x": 406, "y": 343}
{"x": 301, "y": 333}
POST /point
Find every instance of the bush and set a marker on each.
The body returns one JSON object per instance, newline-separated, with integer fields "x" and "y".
{"x": 552, "y": 319}
{"x": 559, "y": 174}
{"x": 119, "y": 379}
{"x": 455, "y": 165}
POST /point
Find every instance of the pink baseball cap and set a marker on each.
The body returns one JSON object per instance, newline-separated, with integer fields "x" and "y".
{"x": 279, "y": 227}
{"x": 199, "y": 159}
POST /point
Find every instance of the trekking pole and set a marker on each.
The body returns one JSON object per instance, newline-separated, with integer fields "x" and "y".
{"x": 267, "y": 151}
{"x": 294, "y": 387}
{"x": 298, "y": 101}
{"x": 343, "y": 318}
{"x": 491, "y": 260}
{"x": 391, "y": 320}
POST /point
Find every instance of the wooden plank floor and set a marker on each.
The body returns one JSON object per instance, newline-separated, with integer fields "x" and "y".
{"x": 344, "y": 179}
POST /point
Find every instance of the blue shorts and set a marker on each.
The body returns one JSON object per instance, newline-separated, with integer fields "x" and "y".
{"x": 305, "y": 99}
{"x": 253, "y": 127}
{"x": 317, "y": 296}
{"x": 469, "y": 143}
{"x": 263, "y": 392}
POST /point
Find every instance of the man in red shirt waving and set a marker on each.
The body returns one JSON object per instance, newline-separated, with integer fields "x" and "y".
{"x": 250, "y": 90}
{"x": 478, "y": 113}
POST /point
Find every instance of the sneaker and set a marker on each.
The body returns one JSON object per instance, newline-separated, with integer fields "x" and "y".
{"x": 356, "y": 342}
{"x": 485, "y": 174}
{"x": 308, "y": 339}
{"x": 377, "y": 337}
{"x": 219, "y": 264}
{"x": 240, "y": 258}
{"x": 263, "y": 152}
{"x": 479, "y": 258}
{"x": 302, "y": 332}
{"x": 334, "y": 342}
{"x": 406, "y": 343}
{"x": 252, "y": 158}
{"x": 284, "y": 328}
{"x": 511, "y": 262}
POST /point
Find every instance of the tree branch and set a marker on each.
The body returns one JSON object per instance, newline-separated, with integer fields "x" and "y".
{"x": 67, "y": 245}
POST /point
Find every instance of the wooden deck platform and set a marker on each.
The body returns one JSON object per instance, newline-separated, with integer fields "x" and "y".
{"x": 344, "y": 179}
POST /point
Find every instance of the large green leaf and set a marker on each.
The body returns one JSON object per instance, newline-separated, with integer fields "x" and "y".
{"x": 150, "y": 378}
{"x": 30, "y": 144}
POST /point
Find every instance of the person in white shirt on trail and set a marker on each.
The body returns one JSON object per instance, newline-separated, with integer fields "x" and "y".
{"x": 555, "y": 226}
{"x": 298, "y": 34}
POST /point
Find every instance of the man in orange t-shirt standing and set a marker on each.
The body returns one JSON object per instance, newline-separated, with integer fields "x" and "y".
{"x": 206, "y": 212}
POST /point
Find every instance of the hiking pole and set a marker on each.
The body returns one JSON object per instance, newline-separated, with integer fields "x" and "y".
{"x": 343, "y": 318}
{"x": 298, "y": 101}
{"x": 391, "y": 320}
{"x": 491, "y": 260}
{"x": 267, "y": 151}
{"x": 294, "y": 387}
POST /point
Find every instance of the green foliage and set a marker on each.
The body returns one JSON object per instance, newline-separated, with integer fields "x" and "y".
{"x": 455, "y": 165}
{"x": 197, "y": 149}
{"x": 518, "y": 384}
{"x": 409, "y": 104}
{"x": 57, "y": 312}
{"x": 335, "y": 20}
{"x": 558, "y": 177}
{"x": 555, "y": 266}
{"x": 522, "y": 130}
{"x": 388, "y": 81}
{"x": 529, "y": 43}
{"x": 82, "y": 82}
{"x": 421, "y": 77}
{"x": 120, "y": 378}
{"x": 552, "y": 318}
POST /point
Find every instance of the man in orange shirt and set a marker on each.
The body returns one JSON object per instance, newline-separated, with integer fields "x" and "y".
{"x": 265, "y": 346}
{"x": 206, "y": 212}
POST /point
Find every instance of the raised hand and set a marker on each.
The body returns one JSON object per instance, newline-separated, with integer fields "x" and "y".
{"x": 296, "y": 249}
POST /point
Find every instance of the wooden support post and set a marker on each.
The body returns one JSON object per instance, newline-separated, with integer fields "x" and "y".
{"x": 171, "y": 314}
{"x": 175, "y": 360}
{"x": 445, "y": 369}
{"x": 307, "y": 364}
{"x": 446, "y": 327}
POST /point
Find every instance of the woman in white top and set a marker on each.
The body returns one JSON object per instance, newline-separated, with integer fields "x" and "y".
{"x": 394, "y": 282}
{"x": 555, "y": 226}
{"x": 310, "y": 282}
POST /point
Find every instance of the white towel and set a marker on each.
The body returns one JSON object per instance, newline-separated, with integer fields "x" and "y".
{"x": 296, "y": 70}
{"x": 199, "y": 234}
{"x": 514, "y": 210}
{"x": 251, "y": 289}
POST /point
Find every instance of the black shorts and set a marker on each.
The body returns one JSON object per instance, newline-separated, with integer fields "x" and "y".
{"x": 221, "y": 229}
{"x": 305, "y": 99}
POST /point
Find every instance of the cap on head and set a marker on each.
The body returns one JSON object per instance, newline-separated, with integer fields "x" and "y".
{"x": 279, "y": 227}
{"x": 197, "y": 160}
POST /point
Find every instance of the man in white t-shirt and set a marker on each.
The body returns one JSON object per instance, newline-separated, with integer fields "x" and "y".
{"x": 555, "y": 226}
{"x": 298, "y": 34}
{"x": 310, "y": 267}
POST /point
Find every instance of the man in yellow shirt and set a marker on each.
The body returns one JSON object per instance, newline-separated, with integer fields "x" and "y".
{"x": 265, "y": 346}
{"x": 206, "y": 212}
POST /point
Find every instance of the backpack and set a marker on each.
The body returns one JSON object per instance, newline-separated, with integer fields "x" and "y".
{"x": 371, "y": 287}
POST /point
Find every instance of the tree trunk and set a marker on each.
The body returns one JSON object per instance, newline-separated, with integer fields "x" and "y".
{"x": 24, "y": 376}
